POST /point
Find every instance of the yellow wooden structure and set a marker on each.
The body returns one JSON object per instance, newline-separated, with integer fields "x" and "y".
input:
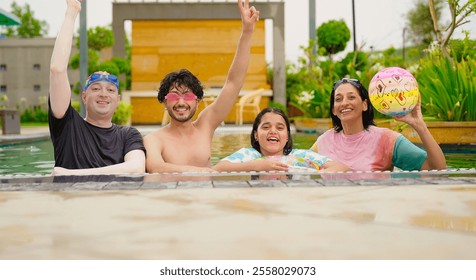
{"x": 205, "y": 47}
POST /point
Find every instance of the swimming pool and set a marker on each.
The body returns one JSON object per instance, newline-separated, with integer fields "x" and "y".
{"x": 37, "y": 157}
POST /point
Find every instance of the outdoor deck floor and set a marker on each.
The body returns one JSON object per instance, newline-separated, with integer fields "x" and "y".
{"x": 402, "y": 215}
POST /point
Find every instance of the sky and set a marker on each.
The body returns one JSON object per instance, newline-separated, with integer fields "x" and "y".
{"x": 379, "y": 23}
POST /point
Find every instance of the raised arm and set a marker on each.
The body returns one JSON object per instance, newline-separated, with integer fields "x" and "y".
{"x": 215, "y": 113}
{"x": 60, "y": 91}
{"x": 436, "y": 158}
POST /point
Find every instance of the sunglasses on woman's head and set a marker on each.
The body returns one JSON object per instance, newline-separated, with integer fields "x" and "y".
{"x": 346, "y": 80}
{"x": 187, "y": 96}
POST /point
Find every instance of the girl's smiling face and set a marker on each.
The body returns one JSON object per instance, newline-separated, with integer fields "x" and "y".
{"x": 272, "y": 134}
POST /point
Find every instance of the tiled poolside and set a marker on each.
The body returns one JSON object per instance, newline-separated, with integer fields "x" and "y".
{"x": 402, "y": 215}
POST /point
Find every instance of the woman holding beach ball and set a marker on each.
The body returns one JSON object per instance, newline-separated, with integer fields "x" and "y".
{"x": 358, "y": 143}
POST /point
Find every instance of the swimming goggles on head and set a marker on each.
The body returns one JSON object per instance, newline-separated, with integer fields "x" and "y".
{"x": 100, "y": 77}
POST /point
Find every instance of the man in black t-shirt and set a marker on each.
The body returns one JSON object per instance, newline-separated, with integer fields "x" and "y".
{"x": 93, "y": 145}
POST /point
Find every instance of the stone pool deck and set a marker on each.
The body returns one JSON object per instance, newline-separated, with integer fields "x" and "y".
{"x": 28, "y": 133}
{"x": 400, "y": 215}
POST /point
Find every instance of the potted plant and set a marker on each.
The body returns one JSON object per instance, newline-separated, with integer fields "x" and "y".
{"x": 314, "y": 105}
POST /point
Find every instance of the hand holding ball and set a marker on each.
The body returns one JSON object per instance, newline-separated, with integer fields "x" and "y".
{"x": 394, "y": 91}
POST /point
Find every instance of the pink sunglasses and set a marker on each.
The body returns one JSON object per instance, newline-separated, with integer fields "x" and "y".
{"x": 187, "y": 96}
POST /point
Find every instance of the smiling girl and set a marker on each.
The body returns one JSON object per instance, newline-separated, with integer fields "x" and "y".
{"x": 272, "y": 149}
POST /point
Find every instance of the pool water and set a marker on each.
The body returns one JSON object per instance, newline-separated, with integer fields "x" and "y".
{"x": 37, "y": 157}
{"x": 27, "y": 158}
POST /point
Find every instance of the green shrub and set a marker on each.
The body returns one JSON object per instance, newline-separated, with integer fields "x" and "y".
{"x": 26, "y": 116}
{"x": 34, "y": 114}
{"x": 463, "y": 49}
{"x": 273, "y": 104}
{"x": 306, "y": 89}
{"x": 448, "y": 91}
{"x": 313, "y": 101}
{"x": 122, "y": 114}
{"x": 347, "y": 67}
{"x": 3, "y": 101}
{"x": 76, "y": 105}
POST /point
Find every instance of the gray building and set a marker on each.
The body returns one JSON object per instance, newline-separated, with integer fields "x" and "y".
{"x": 25, "y": 70}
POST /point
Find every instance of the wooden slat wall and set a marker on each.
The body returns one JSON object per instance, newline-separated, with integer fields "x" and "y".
{"x": 205, "y": 47}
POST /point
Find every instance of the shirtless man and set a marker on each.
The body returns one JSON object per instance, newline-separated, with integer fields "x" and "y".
{"x": 93, "y": 145}
{"x": 185, "y": 145}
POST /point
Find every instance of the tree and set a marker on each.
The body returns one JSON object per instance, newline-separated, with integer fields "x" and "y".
{"x": 30, "y": 26}
{"x": 93, "y": 60}
{"x": 99, "y": 38}
{"x": 332, "y": 37}
{"x": 352, "y": 63}
{"x": 460, "y": 12}
{"x": 420, "y": 23}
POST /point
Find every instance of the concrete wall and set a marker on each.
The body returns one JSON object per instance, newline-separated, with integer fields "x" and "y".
{"x": 27, "y": 63}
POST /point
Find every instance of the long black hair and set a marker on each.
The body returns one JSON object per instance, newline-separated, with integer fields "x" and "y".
{"x": 367, "y": 116}
{"x": 255, "y": 144}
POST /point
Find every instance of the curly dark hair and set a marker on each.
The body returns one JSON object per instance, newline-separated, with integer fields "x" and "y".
{"x": 182, "y": 77}
{"x": 255, "y": 144}
{"x": 367, "y": 116}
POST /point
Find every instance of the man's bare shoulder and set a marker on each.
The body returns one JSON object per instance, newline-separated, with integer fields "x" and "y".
{"x": 155, "y": 135}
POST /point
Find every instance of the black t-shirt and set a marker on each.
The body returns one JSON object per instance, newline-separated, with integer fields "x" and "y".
{"x": 79, "y": 144}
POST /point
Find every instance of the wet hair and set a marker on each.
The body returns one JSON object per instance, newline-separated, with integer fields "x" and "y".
{"x": 367, "y": 116}
{"x": 179, "y": 78}
{"x": 255, "y": 144}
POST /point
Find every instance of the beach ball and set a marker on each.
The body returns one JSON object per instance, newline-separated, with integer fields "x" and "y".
{"x": 394, "y": 91}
